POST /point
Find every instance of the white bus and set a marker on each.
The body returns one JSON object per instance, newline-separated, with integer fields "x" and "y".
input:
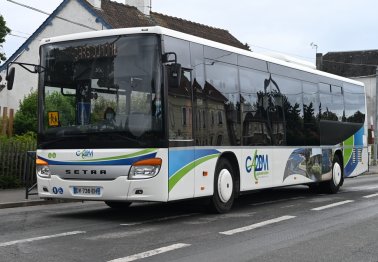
{"x": 151, "y": 114}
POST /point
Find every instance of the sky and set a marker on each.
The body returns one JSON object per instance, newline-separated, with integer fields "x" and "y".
{"x": 285, "y": 26}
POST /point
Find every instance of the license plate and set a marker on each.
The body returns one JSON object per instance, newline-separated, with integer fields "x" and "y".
{"x": 87, "y": 191}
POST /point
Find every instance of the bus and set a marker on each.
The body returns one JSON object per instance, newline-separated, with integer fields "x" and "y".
{"x": 151, "y": 114}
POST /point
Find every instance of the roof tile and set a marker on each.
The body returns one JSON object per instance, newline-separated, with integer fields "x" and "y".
{"x": 122, "y": 16}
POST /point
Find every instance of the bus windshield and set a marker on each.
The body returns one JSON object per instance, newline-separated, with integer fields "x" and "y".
{"x": 101, "y": 93}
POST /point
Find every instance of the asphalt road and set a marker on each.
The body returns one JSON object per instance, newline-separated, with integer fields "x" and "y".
{"x": 287, "y": 224}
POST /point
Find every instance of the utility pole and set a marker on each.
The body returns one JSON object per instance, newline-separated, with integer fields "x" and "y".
{"x": 314, "y": 46}
{"x": 376, "y": 116}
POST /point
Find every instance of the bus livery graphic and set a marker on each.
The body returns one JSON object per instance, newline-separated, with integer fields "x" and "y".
{"x": 259, "y": 164}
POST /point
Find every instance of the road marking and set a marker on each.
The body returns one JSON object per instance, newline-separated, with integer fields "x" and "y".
{"x": 333, "y": 205}
{"x": 288, "y": 206}
{"x": 369, "y": 196}
{"x": 276, "y": 201}
{"x": 150, "y": 253}
{"x": 117, "y": 235}
{"x": 257, "y": 225}
{"x": 40, "y": 238}
{"x": 158, "y": 220}
{"x": 359, "y": 188}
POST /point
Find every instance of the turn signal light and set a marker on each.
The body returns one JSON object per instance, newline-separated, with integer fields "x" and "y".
{"x": 40, "y": 162}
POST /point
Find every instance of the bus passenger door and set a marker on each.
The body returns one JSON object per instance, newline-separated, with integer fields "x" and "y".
{"x": 181, "y": 143}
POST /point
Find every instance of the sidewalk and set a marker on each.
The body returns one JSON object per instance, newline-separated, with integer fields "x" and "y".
{"x": 16, "y": 197}
{"x": 372, "y": 170}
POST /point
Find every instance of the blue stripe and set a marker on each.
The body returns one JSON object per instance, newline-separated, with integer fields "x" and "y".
{"x": 180, "y": 158}
{"x": 118, "y": 162}
{"x": 358, "y": 143}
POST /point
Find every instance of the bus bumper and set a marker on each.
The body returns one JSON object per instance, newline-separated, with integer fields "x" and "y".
{"x": 119, "y": 189}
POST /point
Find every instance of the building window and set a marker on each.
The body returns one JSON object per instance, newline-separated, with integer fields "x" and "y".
{"x": 184, "y": 120}
{"x": 220, "y": 120}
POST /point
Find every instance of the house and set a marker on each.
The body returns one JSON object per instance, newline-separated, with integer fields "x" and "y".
{"x": 74, "y": 16}
{"x": 360, "y": 66}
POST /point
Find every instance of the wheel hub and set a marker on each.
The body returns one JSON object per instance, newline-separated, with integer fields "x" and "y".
{"x": 225, "y": 185}
{"x": 336, "y": 174}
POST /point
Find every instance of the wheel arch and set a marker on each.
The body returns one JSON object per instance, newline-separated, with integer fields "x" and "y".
{"x": 231, "y": 157}
{"x": 339, "y": 154}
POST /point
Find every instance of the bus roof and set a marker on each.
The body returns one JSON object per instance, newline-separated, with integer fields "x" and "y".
{"x": 279, "y": 59}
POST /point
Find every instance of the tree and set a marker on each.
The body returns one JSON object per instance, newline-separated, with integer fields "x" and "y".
{"x": 4, "y": 30}
{"x": 26, "y": 117}
{"x": 246, "y": 46}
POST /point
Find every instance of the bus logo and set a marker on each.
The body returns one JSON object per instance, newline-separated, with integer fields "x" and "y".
{"x": 259, "y": 164}
{"x": 85, "y": 154}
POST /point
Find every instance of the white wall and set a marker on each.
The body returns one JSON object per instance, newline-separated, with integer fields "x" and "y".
{"x": 370, "y": 86}
{"x": 25, "y": 81}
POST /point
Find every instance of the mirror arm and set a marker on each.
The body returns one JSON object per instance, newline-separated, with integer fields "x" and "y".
{"x": 37, "y": 68}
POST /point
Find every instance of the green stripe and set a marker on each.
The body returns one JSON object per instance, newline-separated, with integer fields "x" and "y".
{"x": 349, "y": 150}
{"x": 139, "y": 153}
{"x": 185, "y": 170}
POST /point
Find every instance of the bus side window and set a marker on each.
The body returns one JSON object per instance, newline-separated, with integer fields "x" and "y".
{"x": 222, "y": 95}
{"x": 255, "y": 130}
{"x": 311, "y": 113}
{"x": 180, "y": 108}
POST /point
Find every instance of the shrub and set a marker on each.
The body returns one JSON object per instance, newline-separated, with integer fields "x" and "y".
{"x": 7, "y": 182}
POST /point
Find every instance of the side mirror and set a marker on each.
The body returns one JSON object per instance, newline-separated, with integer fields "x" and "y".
{"x": 10, "y": 78}
{"x": 174, "y": 75}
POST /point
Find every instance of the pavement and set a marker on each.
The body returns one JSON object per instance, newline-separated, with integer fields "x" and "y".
{"x": 10, "y": 198}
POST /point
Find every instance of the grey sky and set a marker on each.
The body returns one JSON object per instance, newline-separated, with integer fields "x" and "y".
{"x": 287, "y": 26}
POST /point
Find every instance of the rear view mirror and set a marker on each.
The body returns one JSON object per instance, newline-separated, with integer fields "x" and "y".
{"x": 10, "y": 78}
{"x": 174, "y": 75}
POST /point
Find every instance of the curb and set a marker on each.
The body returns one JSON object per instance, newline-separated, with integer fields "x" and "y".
{"x": 28, "y": 203}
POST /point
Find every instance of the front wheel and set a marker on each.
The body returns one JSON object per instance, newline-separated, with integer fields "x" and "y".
{"x": 118, "y": 204}
{"x": 333, "y": 186}
{"x": 224, "y": 188}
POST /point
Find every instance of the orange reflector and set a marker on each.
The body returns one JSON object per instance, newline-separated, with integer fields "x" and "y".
{"x": 204, "y": 173}
{"x": 40, "y": 162}
{"x": 149, "y": 162}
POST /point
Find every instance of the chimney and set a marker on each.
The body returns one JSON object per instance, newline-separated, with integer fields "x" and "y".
{"x": 142, "y": 5}
{"x": 319, "y": 61}
{"x": 95, "y": 3}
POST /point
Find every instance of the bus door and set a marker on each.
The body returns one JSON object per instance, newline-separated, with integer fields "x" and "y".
{"x": 181, "y": 143}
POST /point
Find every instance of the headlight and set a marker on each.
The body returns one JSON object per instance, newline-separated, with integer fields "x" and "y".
{"x": 145, "y": 169}
{"x": 43, "y": 169}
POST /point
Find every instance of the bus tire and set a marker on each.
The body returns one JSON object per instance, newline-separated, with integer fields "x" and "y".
{"x": 118, "y": 204}
{"x": 224, "y": 187}
{"x": 333, "y": 186}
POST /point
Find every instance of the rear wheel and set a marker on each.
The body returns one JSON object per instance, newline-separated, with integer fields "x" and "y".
{"x": 224, "y": 188}
{"x": 118, "y": 204}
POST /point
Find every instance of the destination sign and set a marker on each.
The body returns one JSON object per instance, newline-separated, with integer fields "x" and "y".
{"x": 90, "y": 52}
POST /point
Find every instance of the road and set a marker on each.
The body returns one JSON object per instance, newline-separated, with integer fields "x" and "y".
{"x": 286, "y": 224}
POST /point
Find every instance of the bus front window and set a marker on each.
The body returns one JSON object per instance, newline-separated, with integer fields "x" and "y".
{"x": 102, "y": 93}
